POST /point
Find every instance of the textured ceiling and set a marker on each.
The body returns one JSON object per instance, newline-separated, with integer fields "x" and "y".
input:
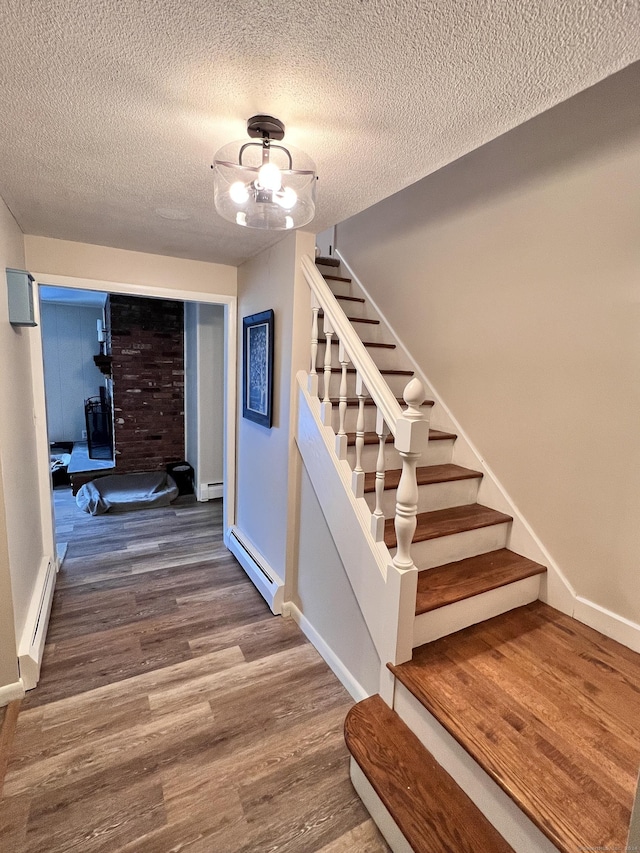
{"x": 113, "y": 109}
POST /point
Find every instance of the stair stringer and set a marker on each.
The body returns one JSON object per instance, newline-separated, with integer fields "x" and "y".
{"x": 555, "y": 588}
{"x": 385, "y": 594}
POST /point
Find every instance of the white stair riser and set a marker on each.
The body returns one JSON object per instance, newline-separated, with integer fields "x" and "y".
{"x": 384, "y": 359}
{"x": 459, "y": 546}
{"x": 365, "y": 331}
{"x": 434, "y": 496}
{"x": 514, "y": 826}
{"x": 378, "y": 811}
{"x": 351, "y": 417}
{"x": 454, "y": 617}
{"x": 351, "y": 309}
{"x": 397, "y": 384}
{"x": 438, "y": 453}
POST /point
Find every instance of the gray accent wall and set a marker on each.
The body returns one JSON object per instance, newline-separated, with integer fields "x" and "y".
{"x": 69, "y": 342}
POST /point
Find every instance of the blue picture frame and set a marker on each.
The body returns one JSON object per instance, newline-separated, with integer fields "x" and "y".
{"x": 257, "y": 374}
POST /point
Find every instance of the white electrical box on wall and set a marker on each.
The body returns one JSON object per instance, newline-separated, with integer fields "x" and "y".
{"x": 20, "y": 290}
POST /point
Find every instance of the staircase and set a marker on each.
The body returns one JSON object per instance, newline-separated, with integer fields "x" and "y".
{"x": 502, "y": 723}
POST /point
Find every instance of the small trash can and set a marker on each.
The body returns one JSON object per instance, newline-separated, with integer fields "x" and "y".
{"x": 183, "y": 475}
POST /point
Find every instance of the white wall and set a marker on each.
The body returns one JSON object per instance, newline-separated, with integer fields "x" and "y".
{"x": 266, "y": 460}
{"x": 204, "y": 392}
{"x": 324, "y": 596}
{"x": 69, "y": 342}
{"x": 21, "y": 546}
{"x": 512, "y": 277}
{"x": 103, "y": 263}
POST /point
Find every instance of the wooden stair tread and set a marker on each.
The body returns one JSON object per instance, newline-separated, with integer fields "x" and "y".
{"x": 369, "y": 401}
{"x": 365, "y": 320}
{"x": 372, "y": 438}
{"x": 336, "y": 278}
{"x": 426, "y": 475}
{"x": 384, "y": 372}
{"x": 324, "y": 261}
{"x": 446, "y": 522}
{"x": 463, "y": 579}
{"x": 349, "y": 298}
{"x": 429, "y": 807}
{"x": 373, "y": 344}
{"x": 550, "y": 709}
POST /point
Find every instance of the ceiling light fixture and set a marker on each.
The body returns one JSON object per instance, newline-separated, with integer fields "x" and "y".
{"x": 255, "y": 184}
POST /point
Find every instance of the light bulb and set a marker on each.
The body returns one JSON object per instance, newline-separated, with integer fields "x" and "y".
{"x": 238, "y": 192}
{"x": 241, "y": 218}
{"x": 288, "y": 222}
{"x": 269, "y": 177}
{"x": 287, "y": 198}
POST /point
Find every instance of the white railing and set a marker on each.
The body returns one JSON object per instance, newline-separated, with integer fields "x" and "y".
{"x": 409, "y": 427}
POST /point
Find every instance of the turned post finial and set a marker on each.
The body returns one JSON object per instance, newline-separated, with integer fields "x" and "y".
{"x": 414, "y": 396}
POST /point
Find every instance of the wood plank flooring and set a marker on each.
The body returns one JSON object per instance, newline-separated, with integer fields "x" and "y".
{"x": 174, "y": 711}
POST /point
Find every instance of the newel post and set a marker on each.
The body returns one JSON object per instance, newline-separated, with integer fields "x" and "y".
{"x": 412, "y": 436}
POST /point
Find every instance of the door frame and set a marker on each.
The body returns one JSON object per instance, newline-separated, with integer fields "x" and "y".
{"x": 230, "y": 368}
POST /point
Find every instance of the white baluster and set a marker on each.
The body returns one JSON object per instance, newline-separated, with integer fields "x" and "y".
{"x": 325, "y": 412}
{"x": 313, "y": 373}
{"x": 412, "y": 435}
{"x": 377, "y": 519}
{"x": 341, "y": 438}
{"x": 357, "y": 478}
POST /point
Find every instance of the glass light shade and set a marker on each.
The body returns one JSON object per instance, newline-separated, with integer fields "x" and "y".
{"x": 269, "y": 176}
{"x": 238, "y": 192}
{"x": 268, "y": 207}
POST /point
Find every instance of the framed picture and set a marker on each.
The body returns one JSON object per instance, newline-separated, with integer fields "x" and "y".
{"x": 257, "y": 380}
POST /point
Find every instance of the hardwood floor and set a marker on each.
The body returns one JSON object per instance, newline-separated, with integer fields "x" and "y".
{"x": 549, "y": 708}
{"x": 174, "y": 712}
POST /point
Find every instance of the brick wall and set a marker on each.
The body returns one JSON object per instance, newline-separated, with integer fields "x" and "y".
{"x": 147, "y": 346}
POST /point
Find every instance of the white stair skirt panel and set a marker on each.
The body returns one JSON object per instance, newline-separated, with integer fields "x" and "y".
{"x": 378, "y": 811}
{"x": 31, "y": 644}
{"x": 267, "y": 581}
{"x": 514, "y": 826}
{"x": 454, "y": 617}
{"x": 378, "y": 587}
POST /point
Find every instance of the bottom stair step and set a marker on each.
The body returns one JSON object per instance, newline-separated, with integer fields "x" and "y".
{"x": 548, "y": 708}
{"x": 430, "y": 809}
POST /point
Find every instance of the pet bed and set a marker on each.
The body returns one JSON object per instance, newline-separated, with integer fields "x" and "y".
{"x": 124, "y": 492}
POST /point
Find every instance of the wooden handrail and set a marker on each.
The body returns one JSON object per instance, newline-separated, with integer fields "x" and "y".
{"x": 376, "y": 387}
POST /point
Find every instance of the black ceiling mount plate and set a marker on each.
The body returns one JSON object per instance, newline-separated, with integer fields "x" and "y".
{"x": 260, "y": 126}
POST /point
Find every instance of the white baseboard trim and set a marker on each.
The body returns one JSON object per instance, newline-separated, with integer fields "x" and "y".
{"x": 34, "y": 633}
{"x": 344, "y": 675}
{"x": 11, "y": 692}
{"x": 265, "y": 579}
{"x": 210, "y": 491}
{"x": 617, "y": 627}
